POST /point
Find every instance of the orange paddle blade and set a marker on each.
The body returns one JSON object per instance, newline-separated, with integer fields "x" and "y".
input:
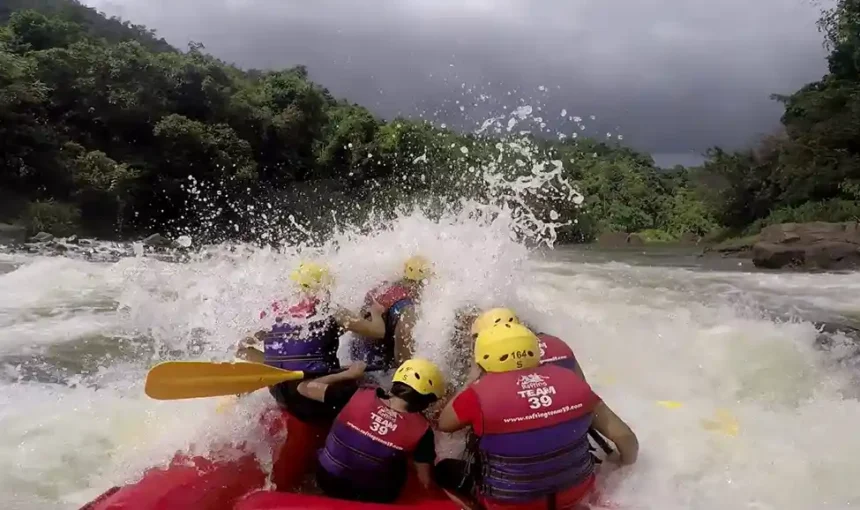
{"x": 173, "y": 380}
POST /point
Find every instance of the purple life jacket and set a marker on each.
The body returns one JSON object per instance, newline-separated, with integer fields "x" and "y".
{"x": 380, "y": 353}
{"x": 534, "y": 440}
{"x": 302, "y": 340}
{"x": 369, "y": 442}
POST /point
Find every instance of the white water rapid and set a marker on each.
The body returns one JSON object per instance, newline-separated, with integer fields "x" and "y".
{"x": 77, "y": 337}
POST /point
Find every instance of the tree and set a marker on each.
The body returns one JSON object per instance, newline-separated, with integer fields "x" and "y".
{"x": 33, "y": 31}
{"x": 817, "y": 156}
{"x": 105, "y": 125}
{"x": 102, "y": 186}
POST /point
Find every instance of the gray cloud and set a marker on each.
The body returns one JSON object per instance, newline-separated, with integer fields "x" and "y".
{"x": 674, "y": 77}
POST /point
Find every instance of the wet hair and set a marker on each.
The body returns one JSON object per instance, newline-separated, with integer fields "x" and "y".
{"x": 415, "y": 402}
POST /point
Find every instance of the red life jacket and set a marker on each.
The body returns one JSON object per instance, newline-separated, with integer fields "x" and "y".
{"x": 369, "y": 442}
{"x": 534, "y": 441}
{"x": 387, "y": 295}
{"x": 380, "y": 353}
{"x": 554, "y": 350}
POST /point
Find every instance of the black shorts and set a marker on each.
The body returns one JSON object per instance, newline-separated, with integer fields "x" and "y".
{"x": 344, "y": 489}
{"x": 307, "y": 410}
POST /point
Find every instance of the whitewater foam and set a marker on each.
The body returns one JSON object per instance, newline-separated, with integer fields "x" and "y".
{"x": 643, "y": 335}
{"x": 639, "y": 342}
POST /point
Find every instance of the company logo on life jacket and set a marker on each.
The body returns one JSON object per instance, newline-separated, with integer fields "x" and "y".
{"x": 530, "y": 381}
{"x": 533, "y": 387}
{"x": 383, "y": 420}
{"x": 543, "y": 347}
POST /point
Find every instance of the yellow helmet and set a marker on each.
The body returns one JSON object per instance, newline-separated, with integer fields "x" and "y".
{"x": 493, "y": 317}
{"x": 311, "y": 276}
{"x": 422, "y": 376}
{"x": 417, "y": 268}
{"x": 507, "y": 347}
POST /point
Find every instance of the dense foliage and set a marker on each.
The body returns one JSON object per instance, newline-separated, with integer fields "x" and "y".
{"x": 811, "y": 169}
{"x": 108, "y": 130}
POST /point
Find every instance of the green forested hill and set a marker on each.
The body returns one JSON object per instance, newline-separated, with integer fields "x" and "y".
{"x": 103, "y": 126}
{"x": 92, "y": 22}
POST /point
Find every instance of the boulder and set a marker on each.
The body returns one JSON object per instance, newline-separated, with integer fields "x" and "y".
{"x": 741, "y": 247}
{"x": 815, "y": 245}
{"x": 157, "y": 241}
{"x": 12, "y": 234}
{"x": 807, "y": 233}
{"x": 42, "y": 237}
{"x": 777, "y": 256}
{"x": 833, "y": 255}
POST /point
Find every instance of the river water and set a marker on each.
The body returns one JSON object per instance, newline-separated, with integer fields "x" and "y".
{"x": 77, "y": 337}
{"x": 713, "y": 364}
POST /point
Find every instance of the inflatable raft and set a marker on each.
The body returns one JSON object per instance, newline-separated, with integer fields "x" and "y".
{"x": 235, "y": 481}
{"x": 268, "y": 500}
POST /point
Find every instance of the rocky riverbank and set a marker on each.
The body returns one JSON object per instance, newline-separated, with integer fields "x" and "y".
{"x": 814, "y": 246}
{"x": 800, "y": 246}
{"x": 14, "y": 239}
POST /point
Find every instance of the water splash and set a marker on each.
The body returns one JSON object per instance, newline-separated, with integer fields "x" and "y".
{"x": 513, "y": 177}
{"x": 643, "y": 336}
{"x": 509, "y": 201}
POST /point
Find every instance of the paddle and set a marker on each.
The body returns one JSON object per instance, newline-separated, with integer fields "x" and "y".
{"x": 723, "y": 421}
{"x": 174, "y": 380}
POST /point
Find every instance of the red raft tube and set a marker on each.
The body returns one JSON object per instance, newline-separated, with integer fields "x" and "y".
{"x": 414, "y": 497}
{"x": 213, "y": 483}
{"x": 210, "y": 483}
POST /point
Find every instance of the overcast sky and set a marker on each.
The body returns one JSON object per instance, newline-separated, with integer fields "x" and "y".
{"x": 673, "y": 77}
